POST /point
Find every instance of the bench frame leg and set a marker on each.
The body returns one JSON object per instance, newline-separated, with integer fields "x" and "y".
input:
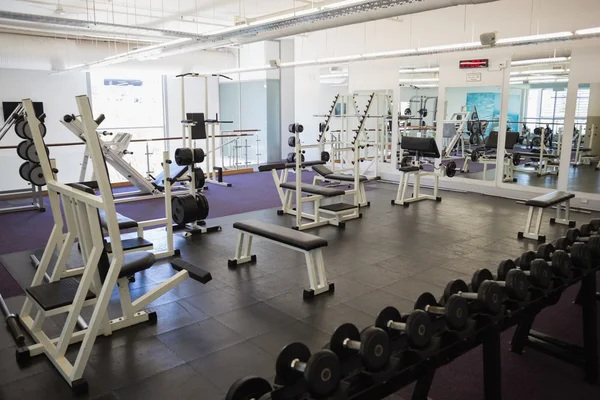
{"x": 535, "y": 233}
{"x": 565, "y": 219}
{"x": 317, "y": 276}
{"x": 242, "y": 250}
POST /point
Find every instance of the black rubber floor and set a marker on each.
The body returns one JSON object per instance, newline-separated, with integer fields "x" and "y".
{"x": 207, "y": 336}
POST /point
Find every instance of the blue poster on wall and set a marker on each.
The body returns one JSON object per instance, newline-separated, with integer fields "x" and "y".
{"x": 488, "y": 108}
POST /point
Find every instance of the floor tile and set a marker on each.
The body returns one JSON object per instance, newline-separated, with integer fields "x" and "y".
{"x": 298, "y": 331}
{"x": 254, "y": 320}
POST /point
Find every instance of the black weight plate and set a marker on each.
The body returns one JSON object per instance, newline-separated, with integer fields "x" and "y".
{"x": 424, "y": 300}
{"x": 545, "y": 251}
{"x": 292, "y": 128}
{"x": 20, "y": 128}
{"x": 24, "y": 170}
{"x": 516, "y": 159}
{"x": 491, "y": 296}
{"x": 374, "y": 349}
{"x": 292, "y": 141}
{"x": 343, "y": 332}
{"x": 36, "y": 175}
{"x": 581, "y": 256}
{"x": 418, "y": 329}
{"x": 457, "y": 312}
{"x": 561, "y": 263}
{"x": 584, "y": 229}
{"x": 325, "y": 156}
{"x": 593, "y": 244}
{"x": 184, "y": 156}
{"x": 541, "y": 273}
{"x": 480, "y": 276}
{"x": 27, "y": 131}
{"x": 451, "y": 169}
{"x": 203, "y": 207}
{"x": 283, "y": 366}
{"x": 323, "y": 373}
{"x": 562, "y": 243}
{"x": 474, "y": 156}
{"x": 199, "y": 155}
{"x": 455, "y": 286}
{"x": 386, "y": 315}
{"x": 191, "y": 211}
{"x": 407, "y": 111}
{"x": 405, "y": 161}
{"x": 517, "y": 284}
{"x": 595, "y": 224}
{"x": 291, "y": 157}
{"x": 526, "y": 259}
{"x": 248, "y": 388}
{"x": 199, "y": 178}
{"x": 299, "y": 128}
{"x": 572, "y": 234}
{"x": 22, "y": 149}
{"x": 178, "y": 210}
{"x": 504, "y": 267}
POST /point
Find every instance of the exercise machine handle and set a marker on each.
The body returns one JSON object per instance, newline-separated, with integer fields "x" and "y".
{"x": 100, "y": 118}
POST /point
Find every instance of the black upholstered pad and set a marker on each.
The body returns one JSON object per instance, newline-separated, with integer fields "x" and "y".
{"x": 124, "y": 222}
{"x": 346, "y": 178}
{"x": 136, "y": 262}
{"x": 314, "y": 189}
{"x": 549, "y": 199}
{"x": 281, "y": 234}
{"x": 56, "y": 294}
{"x": 284, "y": 164}
{"x": 409, "y": 169}
{"x": 269, "y": 167}
{"x": 306, "y": 164}
{"x": 537, "y": 155}
{"x": 322, "y": 170}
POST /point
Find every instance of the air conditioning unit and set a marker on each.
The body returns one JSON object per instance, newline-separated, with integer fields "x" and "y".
{"x": 488, "y": 39}
{"x": 275, "y": 63}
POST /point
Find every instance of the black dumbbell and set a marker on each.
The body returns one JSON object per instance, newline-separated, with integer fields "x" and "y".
{"x": 489, "y": 295}
{"x": 249, "y": 388}
{"x": 372, "y": 345}
{"x": 559, "y": 260}
{"x": 417, "y": 326}
{"x": 516, "y": 283}
{"x": 591, "y": 228}
{"x": 580, "y": 251}
{"x": 321, "y": 370}
{"x": 455, "y": 311}
{"x": 537, "y": 270}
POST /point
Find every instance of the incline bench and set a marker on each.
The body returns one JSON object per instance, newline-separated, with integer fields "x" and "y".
{"x": 541, "y": 202}
{"x": 305, "y": 243}
{"x": 328, "y": 175}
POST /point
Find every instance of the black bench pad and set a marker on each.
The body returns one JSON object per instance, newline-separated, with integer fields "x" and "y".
{"x": 537, "y": 155}
{"x": 281, "y": 234}
{"x": 136, "y": 262}
{"x": 124, "y": 222}
{"x": 549, "y": 199}
{"x": 409, "y": 169}
{"x": 329, "y": 174}
{"x": 314, "y": 189}
{"x": 284, "y": 164}
{"x": 57, "y": 294}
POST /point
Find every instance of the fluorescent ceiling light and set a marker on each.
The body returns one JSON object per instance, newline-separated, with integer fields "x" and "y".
{"x": 540, "y": 61}
{"x": 420, "y": 80}
{"x": 589, "y": 31}
{"x": 563, "y": 80}
{"x": 535, "y": 38}
{"x": 334, "y": 76}
{"x": 517, "y": 82}
{"x": 449, "y": 47}
{"x": 342, "y": 4}
{"x": 283, "y": 16}
{"x": 541, "y": 71}
{"x": 427, "y": 85}
{"x": 418, "y": 70}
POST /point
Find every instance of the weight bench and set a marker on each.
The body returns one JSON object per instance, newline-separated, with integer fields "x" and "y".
{"x": 328, "y": 175}
{"x": 305, "y": 243}
{"x": 542, "y": 202}
{"x": 129, "y": 245}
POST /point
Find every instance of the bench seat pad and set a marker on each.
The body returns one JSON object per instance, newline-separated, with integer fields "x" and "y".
{"x": 549, "y": 199}
{"x": 281, "y": 234}
{"x": 123, "y": 221}
{"x": 136, "y": 262}
{"x": 314, "y": 189}
{"x": 409, "y": 169}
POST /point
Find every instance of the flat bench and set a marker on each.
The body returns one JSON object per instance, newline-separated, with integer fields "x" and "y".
{"x": 306, "y": 243}
{"x": 556, "y": 198}
{"x": 314, "y": 189}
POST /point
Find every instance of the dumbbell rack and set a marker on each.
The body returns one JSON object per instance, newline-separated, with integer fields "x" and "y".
{"x": 409, "y": 366}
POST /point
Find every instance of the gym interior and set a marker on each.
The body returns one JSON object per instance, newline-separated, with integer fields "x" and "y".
{"x": 214, "y": 199}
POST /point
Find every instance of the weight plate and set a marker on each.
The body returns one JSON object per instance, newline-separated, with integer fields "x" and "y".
{"x": 584, "y": 229}
{"x": 374, "y": 349}
{"x": 491, "y": 296}
{"x": 292, "y": 128}
{"x": 572, "y": 234}
{"x": 292, "y": 141}
{"x": 407, "y": 111}
{"x": 248, "y": 388}
{"x": 581, "y": 256}
{"x": 562, "y": 243}
{"x": 291, "y": 157}
{"x": 424, "y": 300}
{"x": 22, "y": 149}
{"x": 323, "y": 373}
{"x": 299, "y": 128}
{"x": 457, "y": 312}
{"x": 541, "y": 273}
{"x": 405, "y": 162}
{"x": 198, "y": 155}
{"x": 29, "y": 135}
{"x": 184, "y": 156}
{"x": 325, "y": 156}
{"x": 385, "y": 316}
{"x": 32, "y": 154}
{"x": 593, "y": 244}
{"x": 24, "y": 170}
{"x": 451, "y": 169}
{"x": 517, "y": 284}
{"x": 545, "y": 251}
{"x": 474, "y": 156}
{"x": 199, "y": 178}
{"x": 177, "y": 210}
{"x": 343, "y": 332}
{"x": 418, "y": 329}
{"x": 285, "y": 374}
{"x": 20, "y": 128}
{"x": 455, "y": 286}
{"x": 504, "y": 267}
{"x": 480, "y": 276}
{"x": 561, "y": 263}
{"x": 516, "y": 159}
{"x": 526, "y": 259}
{"x": 36, "y": 175}
{"x": 203, "y": 208}
{"x": 595, "y": 224}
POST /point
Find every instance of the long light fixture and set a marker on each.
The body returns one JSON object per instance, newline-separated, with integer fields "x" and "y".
{"x": 535, "y": 38}
{"x": 298, "y": 13}
{"x": 541, "y": 71}
{"x": 419, "y": 80}
{"x": 589, "y": 31}
{"x": 344, "y": 75}
{"x": 427, "y": 85}
{"x": 418, "y": 70}
{"x": 540, "y": 61}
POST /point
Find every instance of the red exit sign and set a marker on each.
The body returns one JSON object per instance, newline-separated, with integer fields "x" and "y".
{"x": 466, "y": 64}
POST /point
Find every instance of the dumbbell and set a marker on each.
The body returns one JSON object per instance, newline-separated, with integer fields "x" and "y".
{"x": 455, "y": 311}
{"x": 321, "y": 370}
{"x": 536, "y": 269}
{"x": 581, "y": 252}
{"x": 559, "y": 260}
{"x": 591, "y": 228}
{"x": 417, "y": 326}
{"x": 489, "y": 294}
{"x": 372, "y": 345}
{"x": 293, "y": 128}
{"x": 249, "y": 388}
{"x": 516, "y": 283}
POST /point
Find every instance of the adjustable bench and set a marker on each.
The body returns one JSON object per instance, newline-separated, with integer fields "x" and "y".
{"x": 328, "y": 175}
{"x": 305, "y": 243}
{"x": 542, "y": 202}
